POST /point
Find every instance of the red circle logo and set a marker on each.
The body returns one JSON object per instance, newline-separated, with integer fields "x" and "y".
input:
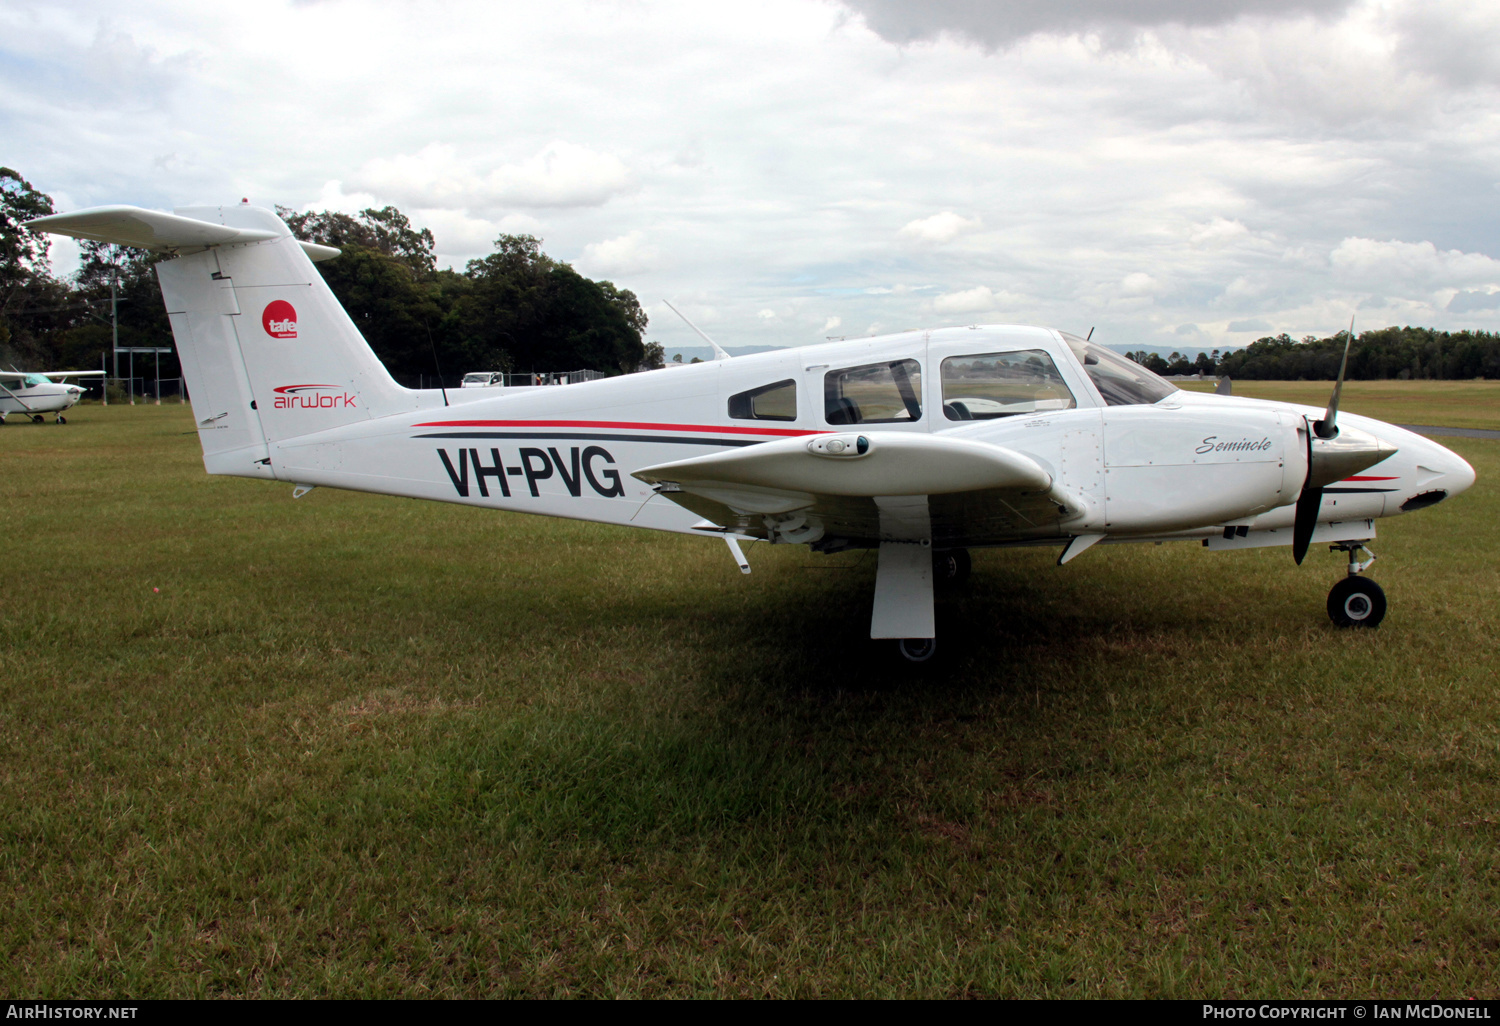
{"x": 280, "y": 319}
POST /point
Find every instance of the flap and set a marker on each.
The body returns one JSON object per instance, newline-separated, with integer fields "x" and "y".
{"x": 149, "y": 229}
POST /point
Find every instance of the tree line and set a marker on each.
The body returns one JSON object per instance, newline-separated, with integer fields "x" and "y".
{"x": 516, "y": 309}
{"x": 1402, "y": 353}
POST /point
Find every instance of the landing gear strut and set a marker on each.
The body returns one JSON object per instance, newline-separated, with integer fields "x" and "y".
{"x": 1356, "y": 601}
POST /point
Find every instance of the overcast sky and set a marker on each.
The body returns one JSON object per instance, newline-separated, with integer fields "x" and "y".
{"x": 1174, "y": 172}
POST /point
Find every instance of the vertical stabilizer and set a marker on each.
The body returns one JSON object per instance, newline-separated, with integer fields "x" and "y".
{"x": 267, "y": 350}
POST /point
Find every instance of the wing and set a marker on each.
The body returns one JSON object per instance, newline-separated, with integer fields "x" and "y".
{"x": 869, "y": 487}
{"x": 55, "y": 375}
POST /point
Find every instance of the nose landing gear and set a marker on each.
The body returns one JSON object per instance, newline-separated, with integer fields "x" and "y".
{"x": 1356, "y": 601}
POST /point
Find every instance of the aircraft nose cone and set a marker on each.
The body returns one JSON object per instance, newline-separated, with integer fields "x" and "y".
{"x": 1457, "y": 475}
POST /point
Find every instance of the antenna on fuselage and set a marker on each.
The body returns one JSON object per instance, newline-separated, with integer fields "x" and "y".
{"x": 436, "y": 364}
{"x": 1089, "y": 337}
{"x": 719, "y": 354}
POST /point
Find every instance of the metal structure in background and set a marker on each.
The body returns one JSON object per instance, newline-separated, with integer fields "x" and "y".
{"x": 132, "y": 350}
{"x": 151, "y": 388}
{"x": 530, "y": 379}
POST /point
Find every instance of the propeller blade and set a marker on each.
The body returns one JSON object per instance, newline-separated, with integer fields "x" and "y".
{"x": 1308, "y": 504}
{"x": 1328, "y": 427}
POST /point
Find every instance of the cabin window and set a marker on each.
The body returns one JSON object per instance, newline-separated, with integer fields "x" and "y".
{"x": 874, "y": 394}
{"x": 1120, "y": 381}
{"x": 994, "y": 385}
{"x": 768, "y": 402}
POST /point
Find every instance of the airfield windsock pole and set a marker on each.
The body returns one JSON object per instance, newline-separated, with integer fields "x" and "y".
{"x": 104, "y": 369}
{"x": 158, "y": 377}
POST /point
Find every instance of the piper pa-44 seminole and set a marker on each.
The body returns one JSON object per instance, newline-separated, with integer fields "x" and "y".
{"x": 35, "y": 394}
{"x": 921, "y": 445}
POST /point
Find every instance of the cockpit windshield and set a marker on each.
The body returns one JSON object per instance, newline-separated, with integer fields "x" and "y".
{"x": 1121, "y": 381}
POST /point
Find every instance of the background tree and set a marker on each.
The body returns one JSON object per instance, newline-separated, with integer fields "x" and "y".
{"x": 28, "y": 292}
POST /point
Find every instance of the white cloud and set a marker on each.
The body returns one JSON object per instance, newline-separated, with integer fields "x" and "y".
{"x": 938, "y": 229}
{"x": 560, "y": 175}
{"x": 1139, "y": 283}
{"x": 1369, "y": 263}
{"x": 973, "y": 300}
{"x": 333, "y": 197}
{"x": 459, "y": 234}
{"x": 767, "y": 314}
{"x": 626, "y": 254}
{"x": 831, "y": 323}
{"x": 1217, "y": 232}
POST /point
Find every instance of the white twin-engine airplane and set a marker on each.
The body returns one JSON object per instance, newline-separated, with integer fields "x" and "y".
{"x": 35, "y": 394}
{"x": 921, "y": 445}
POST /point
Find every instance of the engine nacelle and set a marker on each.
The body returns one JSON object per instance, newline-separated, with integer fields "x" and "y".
{"x": 1172, "y": 467}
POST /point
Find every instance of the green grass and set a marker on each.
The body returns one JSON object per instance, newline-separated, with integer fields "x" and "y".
{"x": 364, "y": 746}
{"x": 1465, "y": 404}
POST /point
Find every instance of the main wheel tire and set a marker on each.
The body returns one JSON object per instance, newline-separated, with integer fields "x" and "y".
{"x": 1356, "y": 602}
{"x": 951, "y": 566}
{"x": 917, "y": 650}
{"x": 37, "y": 418}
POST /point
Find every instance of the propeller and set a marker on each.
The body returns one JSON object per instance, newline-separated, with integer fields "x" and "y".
{"x": 1333, "y": 453}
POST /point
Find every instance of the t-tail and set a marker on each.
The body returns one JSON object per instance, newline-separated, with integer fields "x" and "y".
{"x": 267, "y": 351}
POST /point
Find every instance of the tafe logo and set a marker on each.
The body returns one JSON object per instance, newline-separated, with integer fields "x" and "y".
{"x": 280, "y": 319}
{"x": 313, "y": 397}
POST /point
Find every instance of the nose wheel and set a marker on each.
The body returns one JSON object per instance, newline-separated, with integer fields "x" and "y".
{"x": 1356, "y": 601}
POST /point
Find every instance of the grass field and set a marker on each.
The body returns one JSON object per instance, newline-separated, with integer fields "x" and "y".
{"x": 361, "y": 746}
{"x": 1465, "y": 404}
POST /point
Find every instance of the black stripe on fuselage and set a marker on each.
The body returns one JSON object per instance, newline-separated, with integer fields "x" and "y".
{"x": 672, "y": 439}
{"x": 1356, "y": 491}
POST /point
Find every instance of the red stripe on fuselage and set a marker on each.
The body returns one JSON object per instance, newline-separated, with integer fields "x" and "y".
{"x": 619, "y": 424}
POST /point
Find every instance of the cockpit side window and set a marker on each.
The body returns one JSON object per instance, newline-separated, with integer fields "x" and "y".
{"x": 876, "y": 393}
{"x": 776, "y": 401}
{"x": 994, "y": 385}
{"x": 1121, "y": 381}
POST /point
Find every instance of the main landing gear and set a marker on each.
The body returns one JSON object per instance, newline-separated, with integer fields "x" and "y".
{"x": 903, "y": 594}
{"x": 1356, "y": 601}
{"x": 917, "y": 650}
{"x": 951, "y": 566}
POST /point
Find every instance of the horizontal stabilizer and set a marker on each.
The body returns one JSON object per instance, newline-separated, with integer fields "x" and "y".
{"x": 149, "y": 229}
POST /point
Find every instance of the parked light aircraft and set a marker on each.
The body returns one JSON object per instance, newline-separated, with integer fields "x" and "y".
{"x": 921, "y": 445}
{"x": 35, "y": 394}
